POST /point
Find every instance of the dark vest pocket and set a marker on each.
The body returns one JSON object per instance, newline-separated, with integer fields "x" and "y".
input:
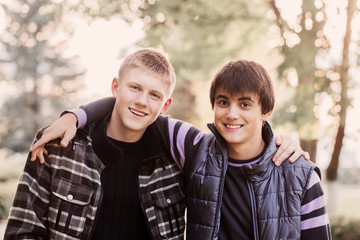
{"x": 69, "y": 206}
{"x": 169, "y": 209}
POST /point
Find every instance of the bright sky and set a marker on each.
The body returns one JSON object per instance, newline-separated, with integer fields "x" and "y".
{"x": 99, "y": 46}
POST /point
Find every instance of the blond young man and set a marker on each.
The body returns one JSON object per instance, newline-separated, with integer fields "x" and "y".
{"x": 189, "y": 147}
{"x": 109, "y": 183}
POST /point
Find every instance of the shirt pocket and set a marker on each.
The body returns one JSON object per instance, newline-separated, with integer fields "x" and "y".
{"x": 169, "y": 206}
{"x": 69, "y": 206}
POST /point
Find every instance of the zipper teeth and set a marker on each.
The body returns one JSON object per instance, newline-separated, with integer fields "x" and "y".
{"x": 218, "y": 207}
{"x": 253, "y": 203}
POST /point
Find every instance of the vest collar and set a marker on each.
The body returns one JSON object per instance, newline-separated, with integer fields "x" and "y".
{"x": 262, "y": 170}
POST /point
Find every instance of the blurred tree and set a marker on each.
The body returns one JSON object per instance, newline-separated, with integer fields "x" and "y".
{"x": 300, "y": 46}
{"x": 200, "y": 36}
{"x": 341, "y": 98}
{"x": 38, "y": 69}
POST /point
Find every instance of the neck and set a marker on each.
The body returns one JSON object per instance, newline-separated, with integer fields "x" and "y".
{"x": 246, "y": 151}
{"x": 115, "y": 131}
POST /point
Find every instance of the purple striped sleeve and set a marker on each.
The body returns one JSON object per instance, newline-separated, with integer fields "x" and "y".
{"x": 171, "y": 137}
{"x": 315, "y": 222}
{"x": 181, "y": 136}
{"x": 313, "y": 205}
{"x": 180, "y": 141}
{"x": 314, "y": 210}
{"x": 80, "y": 115}
{"x": 313, "y": 180}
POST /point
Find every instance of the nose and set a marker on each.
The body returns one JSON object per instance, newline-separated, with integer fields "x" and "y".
{"x": 141, "y": 99}
{"x": 233, "y": 113}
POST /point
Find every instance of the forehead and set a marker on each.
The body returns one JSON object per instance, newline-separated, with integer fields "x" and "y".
{"x": 224, "y": 93}
{"x": 146, "y": 78}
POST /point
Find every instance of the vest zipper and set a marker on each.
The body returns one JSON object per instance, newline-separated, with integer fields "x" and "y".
{"x": 253, "y": 207}
{"x": 221, "y": 191}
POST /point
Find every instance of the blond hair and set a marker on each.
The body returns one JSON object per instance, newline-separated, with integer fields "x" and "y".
{"x": 151, "y": 61}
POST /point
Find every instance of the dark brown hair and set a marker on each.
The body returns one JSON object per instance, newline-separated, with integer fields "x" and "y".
{"x": 244, "y": 77}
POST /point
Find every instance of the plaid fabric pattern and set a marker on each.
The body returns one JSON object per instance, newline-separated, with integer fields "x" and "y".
{"x": 162, "y": 194}
{"x": 58, "y": 199}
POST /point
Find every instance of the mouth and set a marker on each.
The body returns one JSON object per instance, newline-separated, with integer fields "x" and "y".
{"x": 233, "y": 126}
{"x": 137, "y": 113}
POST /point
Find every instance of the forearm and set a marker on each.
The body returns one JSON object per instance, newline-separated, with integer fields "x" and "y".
{"x": 97, "y": 110}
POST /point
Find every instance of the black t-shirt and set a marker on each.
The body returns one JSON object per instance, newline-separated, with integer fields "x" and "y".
{"x": 120, "y": 215}
{"x": 236, "y": 217}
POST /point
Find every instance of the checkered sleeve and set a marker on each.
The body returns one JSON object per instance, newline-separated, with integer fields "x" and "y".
{"x": 27, "y": 219}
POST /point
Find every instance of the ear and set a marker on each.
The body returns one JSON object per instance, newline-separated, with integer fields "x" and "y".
{"x": 114, "y": 86}
{"x": 166, "y": 106}
{"x": 266, "y": 116}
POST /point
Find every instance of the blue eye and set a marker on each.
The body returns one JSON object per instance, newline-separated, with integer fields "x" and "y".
{"x": 155, "y": 95}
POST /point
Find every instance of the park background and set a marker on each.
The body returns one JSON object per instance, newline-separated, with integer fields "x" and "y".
{"x": 59, "y": 54}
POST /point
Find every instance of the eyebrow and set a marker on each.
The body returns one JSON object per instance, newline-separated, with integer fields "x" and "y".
{"x": 239, "y": 99}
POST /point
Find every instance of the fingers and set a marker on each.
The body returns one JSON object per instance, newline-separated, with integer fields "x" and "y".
{"x": 306, "y": 155}
{"x": 47, "y": 136}
{"x": 283, "y": 151}
{"x": 34, "y": 154}
{"x": 39, "y": 153}
{"x": 68, "y": 136}
{"x": 296, "y": 155}
{"x": 277, "y": 140}
{"x": 41, "y": 157}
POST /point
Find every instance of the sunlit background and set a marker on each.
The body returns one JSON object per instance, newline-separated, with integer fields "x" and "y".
{"x": 57, "y": 55}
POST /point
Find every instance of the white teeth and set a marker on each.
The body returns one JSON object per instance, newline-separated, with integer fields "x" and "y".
{"x": 233, "y": 126}
{"x": 137, "y": 113}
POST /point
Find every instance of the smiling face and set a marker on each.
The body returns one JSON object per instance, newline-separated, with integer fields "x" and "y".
{"x": 239, "y": 120}
{"x": 242, "y": 97}
{"x": 140, "y": 97}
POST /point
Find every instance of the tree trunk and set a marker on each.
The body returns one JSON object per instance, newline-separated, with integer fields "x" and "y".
{"x": 310, "y": 146}
{"x": 331, "y": 172}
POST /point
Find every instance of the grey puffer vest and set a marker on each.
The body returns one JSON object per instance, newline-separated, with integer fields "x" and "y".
{"x": 275, "y": 192}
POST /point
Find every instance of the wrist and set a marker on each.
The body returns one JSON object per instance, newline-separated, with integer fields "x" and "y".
{"x": 79, "y": 116}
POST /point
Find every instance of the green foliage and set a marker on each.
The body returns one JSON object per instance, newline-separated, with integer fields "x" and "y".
{"x": 300, "y": 57}
{"x": 35, "y": 66}
{"x": 343, "y": 229}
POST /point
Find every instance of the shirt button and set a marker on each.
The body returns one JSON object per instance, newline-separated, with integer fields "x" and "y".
{"x": 70, "y": 197}
{"x": 168, "y": 200}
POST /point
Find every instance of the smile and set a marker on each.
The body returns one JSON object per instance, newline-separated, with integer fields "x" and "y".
{"x": 233, "y": 126}
{"x": 137, "y": 113}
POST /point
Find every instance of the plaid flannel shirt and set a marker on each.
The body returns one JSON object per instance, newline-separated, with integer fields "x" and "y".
{"x": 59, "y": 199}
